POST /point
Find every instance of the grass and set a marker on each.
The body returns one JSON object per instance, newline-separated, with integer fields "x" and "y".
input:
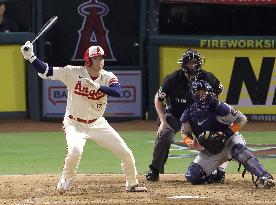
{"x": 44, "y": 152}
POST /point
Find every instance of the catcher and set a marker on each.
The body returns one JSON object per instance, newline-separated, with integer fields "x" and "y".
{"x": 215, "y": 126}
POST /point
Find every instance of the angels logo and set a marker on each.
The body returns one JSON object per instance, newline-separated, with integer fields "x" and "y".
{"x": 93, "y": 31}
{"x": 90, "y": 94}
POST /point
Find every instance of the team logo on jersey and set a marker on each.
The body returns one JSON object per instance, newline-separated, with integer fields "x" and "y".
{"x": 90, "y": 94}
{"x": 93, "y": 30}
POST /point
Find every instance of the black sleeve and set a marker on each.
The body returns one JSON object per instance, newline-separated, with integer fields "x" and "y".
{"x": 213, "y": 81}
{"x": 164, "y": 90}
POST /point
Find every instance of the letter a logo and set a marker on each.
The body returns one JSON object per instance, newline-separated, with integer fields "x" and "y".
{"x": 93, "y": 31}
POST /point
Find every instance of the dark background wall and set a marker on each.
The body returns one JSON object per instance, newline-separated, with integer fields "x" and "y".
{"x": 216, "y": 19}
{"x": 122, "y": 22}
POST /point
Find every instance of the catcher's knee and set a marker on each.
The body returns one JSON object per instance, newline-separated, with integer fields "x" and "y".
{"x": 195, "y": 174}
{"x": 241, "y": 153}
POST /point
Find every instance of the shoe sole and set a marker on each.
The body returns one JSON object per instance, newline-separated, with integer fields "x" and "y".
{"x": 138, "y": 190}
{"x": 269, "y": 184}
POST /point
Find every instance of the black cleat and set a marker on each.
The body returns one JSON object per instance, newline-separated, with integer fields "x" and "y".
{"x": 152, "y": 175}
{"x": 216, "y": 177}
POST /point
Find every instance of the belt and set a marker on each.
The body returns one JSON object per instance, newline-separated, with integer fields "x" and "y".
{"x": 81, "y": 120}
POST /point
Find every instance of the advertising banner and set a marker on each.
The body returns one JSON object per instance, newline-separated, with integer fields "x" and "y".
{"x": 248, "y": 75}
{"x": 129, "y": 105}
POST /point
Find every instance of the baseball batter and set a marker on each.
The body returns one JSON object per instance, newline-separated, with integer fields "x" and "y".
{"x": 215, "y": 126}
{"x": 88, "y": 89}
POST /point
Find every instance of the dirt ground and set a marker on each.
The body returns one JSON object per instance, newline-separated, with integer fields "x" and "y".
{"x": 109, "y": 188}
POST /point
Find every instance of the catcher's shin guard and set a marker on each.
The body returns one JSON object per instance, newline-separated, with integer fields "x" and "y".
{"x": 251, "y": 164}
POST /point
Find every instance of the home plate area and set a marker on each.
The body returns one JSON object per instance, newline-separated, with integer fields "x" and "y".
{"x": 110, "y": 189}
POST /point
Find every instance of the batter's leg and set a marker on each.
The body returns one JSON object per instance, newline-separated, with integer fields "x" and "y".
{"x": 75, "y": 143}
{"x": 105, "y": 136}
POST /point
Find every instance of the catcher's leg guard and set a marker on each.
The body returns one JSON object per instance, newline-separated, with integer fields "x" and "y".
{"x": 195, "y": 174}
{"x": 244, "y": 156}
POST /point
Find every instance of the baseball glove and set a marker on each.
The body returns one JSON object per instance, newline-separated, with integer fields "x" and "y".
{"x": 213, "y": 142}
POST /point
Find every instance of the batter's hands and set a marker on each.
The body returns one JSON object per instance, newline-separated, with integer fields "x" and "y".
{"x": 27, "y": 51}
{"x": 92, "y": 84}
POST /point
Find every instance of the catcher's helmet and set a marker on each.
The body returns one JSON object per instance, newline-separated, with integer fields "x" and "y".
{"x": 202, "y": 99}
{"x": 191, "y": 56}
{"x": 91, "y": 52}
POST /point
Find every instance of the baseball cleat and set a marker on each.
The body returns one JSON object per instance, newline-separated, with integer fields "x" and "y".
{"x": 63, "y": 185}
{"x": 269, "y": 183}
{"x": 266, "y": 181}
{"x": 216, "y": 177}
{"x": 137, "y": 188}
{"x": 152, "y": 175}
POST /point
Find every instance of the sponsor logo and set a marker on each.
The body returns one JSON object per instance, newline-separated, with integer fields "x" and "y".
{"x": 57, "y": 94}
{"x": 200, "y": 123}
{"x": 128, "y": 94}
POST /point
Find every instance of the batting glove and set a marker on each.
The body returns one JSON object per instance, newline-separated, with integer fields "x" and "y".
{"x": 27, "y": 51}
{"x": 92, "y": 84}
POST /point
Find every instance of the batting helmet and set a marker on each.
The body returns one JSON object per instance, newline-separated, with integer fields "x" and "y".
{"x": 92, "y": 52}
{"x": 191, "y": 56}
{"x": 202, "y": 100}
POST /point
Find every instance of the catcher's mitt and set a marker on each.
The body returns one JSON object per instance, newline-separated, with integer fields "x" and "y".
{"x": 213, "y": 142}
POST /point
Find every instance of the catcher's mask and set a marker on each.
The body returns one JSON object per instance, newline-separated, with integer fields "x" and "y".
{"x": 92, "y": 52}
{"x": 191, "y": 62}
{"x": 202, "y": 94}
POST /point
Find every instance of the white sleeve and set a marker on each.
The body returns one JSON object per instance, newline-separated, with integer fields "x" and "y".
{"x": 59, "y": 73}
{"x": 112, "y": 79}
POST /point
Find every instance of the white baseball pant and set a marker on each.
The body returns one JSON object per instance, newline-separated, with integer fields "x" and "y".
{"x": 104, "y": 135}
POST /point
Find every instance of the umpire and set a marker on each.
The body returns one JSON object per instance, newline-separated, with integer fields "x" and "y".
{"x": 173, "y": 97}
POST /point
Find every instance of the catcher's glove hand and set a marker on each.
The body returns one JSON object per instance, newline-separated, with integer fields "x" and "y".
{"x": 213, "y": 142}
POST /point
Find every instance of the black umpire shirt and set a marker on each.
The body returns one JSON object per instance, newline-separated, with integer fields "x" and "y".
{"x": 176, "y": 92}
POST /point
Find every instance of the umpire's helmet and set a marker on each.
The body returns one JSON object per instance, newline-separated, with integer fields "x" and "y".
{"x": 194, "y": 57}
{"x": 202, "y": 99}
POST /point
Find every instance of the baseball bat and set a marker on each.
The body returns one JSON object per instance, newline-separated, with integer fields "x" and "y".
{"x": 45, "y": 28}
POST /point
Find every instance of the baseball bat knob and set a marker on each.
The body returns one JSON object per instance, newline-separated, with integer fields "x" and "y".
{"x": 26, "y": 48}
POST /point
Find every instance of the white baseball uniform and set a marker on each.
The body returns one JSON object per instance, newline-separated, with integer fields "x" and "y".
{"x": 84, "y": 120}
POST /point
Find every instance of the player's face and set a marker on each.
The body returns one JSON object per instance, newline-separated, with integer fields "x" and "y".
{"x": 98, "y": 62}
{"x": 202, "y": 94}
{"x": 192, "y": 64}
